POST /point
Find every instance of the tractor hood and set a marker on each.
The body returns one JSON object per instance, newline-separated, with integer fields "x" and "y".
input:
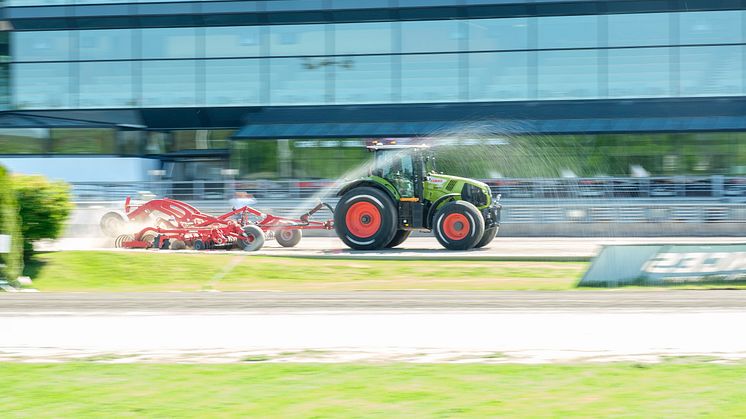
{"x": 445, "y": 184}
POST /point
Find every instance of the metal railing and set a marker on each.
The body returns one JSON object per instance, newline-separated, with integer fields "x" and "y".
{"x": 710, "y": 187}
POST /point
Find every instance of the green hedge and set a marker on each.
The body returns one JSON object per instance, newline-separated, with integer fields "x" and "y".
{"x": 44, "y": 208}
{"x": 10, "y": 224}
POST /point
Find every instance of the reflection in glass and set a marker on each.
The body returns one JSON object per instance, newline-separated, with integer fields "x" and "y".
{"x": 639, "y": 29}
{"x": 639, "y": 73}
{"x": 232, "y": 82}
{"x": 362, "y": 38}
{"x": 495, "y": 34}
{"x": 498, "y": 76}
{"x": 41, "y": 46}
{"x": 41, "y": 86}
{"x": 363, "y": 80}
{"x": 430, "y": 78}
{"x": 24, "y": 140}
{"x": 83, "y": 140}
{"x": 233, "y": 41}
{"x": 711, "y": 71}
{"x": 568, "y": 74}
{"x": 710, "y": 27}
{"x": 296, "y": 81}
{"x": 109, "y": 44}
{"x": 432, "y": 36}
{"x": 568, "y": 31}
{"x": 297, "y": 39}
{"x": 106, "y": 84}
{"x": 169, "y": 43}
{"x": 168, "y": 83}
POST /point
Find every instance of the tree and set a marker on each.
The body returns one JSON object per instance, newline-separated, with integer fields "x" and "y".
{"x": 12, "y": 262}
{"x": 44, "y": 208}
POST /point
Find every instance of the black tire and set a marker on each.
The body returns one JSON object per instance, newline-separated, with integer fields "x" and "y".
{"x": 254, "y": 239}
{"x": 372, "y": 219}
{"x": 487, "y": 237}
{"x": 458, "y": 225}
{"x": 178, "y": 245}
{"x": 199, "y": 245}
{"x": 112, "y": 224}
{"x": 288, "y": 238}
{"x": 399, "y": 238}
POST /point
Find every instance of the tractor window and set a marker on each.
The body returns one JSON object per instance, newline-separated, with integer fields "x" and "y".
{"x": 399, "y": 170}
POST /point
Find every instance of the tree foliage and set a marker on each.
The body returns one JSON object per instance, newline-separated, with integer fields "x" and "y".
{"x": 44, "y": 208}
{"x": 10, "y": 225}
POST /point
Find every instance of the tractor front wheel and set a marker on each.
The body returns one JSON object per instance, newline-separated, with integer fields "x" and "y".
{"x": 458, "y": 225}
{"x": 365, "y": 219}
{"x": 487, "y": 237}
{"x": 288, "y": 238}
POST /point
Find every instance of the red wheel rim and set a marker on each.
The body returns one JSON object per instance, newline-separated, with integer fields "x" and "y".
{"x": 363, "y": 219}
{"x": 456, "y": 226}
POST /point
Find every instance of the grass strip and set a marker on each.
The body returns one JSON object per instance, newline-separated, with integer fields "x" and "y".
{"x": 93, "y": 390}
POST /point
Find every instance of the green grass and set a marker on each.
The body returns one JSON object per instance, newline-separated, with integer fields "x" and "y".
{"x": 94, "y": 390}
{"x": 153, "y": 271}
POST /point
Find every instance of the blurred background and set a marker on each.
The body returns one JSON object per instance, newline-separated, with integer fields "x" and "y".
{"x": 575, "y": 112}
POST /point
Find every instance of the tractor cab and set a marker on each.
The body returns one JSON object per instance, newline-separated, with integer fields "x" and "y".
{"x": 405, "y": 167}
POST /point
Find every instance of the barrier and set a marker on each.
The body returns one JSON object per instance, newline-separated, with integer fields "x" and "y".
{"x": 4, "y": 243}
{"x": 662, "y": 265}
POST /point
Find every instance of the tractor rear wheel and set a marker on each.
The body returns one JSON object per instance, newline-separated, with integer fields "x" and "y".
{"x": 365, "y": 219}
{"x": 288, "y": 238}
{"x": 399, "y": 238}
{"x": 487, "y": 237}
{"x": 458, "y": 225}
{"x": 112, "y": 224}
{"x": 254, "y": 239}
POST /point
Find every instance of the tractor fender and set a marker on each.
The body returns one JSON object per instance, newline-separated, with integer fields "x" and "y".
{"x": 365, "y": 182}
{"x": 436, "y": 204}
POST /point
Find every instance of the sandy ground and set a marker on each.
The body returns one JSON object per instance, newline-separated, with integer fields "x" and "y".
{"x": 547, "y": 248}
{"x": 530, "y": 327}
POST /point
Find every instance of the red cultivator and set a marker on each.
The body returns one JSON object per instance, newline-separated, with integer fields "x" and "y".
{"x": 171, "y": 224}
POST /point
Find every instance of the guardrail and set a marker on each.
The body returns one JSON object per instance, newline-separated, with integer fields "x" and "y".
{"x": 560, "y": 188}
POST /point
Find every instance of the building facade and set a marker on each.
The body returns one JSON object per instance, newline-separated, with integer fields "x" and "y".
{"x": 277, "y": 88}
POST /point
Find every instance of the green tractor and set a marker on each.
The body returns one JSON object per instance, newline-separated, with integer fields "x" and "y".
{"x": 402, "y": 193}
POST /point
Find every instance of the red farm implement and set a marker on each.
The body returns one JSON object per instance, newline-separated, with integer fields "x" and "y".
{"x": 171, "y": 224}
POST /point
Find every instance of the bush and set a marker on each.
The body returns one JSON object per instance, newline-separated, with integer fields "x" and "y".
{"x": 44, "y": 207}
{"x": 10, "y": 224}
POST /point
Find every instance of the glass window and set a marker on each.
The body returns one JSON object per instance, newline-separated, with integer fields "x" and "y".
{"x": 568, "y": 74}
{"x": 430, "y": 78}
{"x": 168, "y": 83}
{"x": 106, "y": 84}
{"x": 639, "y": 29}
{"x": 296, "y": 81}
{"x": 495, "y": 34}
{"x": 83, "y": 141}
{"x": 41, "y": 46}
{"x": 232, "y": 82}
{"x": 568, "y": 31}
{"x": 432, "y": 36}
{"x": 363, "y": 79}
{"x": 41, "y": 85}
{"x": 233, "y": 41}
{"x": 169, "y": 43}
{"x": 131, "y": 142}
{"x": 710, "y": 27}
{"x": 23, "y": 140}
{"x": 363, "y": 38}
{"x": 110, "y": 44}
{"x": 498, "y": 76}
{"x": 640, "y": 72}
{"x": 711, "y": 71}
{"x": 297, "y": 40}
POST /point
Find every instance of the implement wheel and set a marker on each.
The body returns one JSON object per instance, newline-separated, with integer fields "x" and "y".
{"x": 487, "y": 237}
{"x": 365, "y": 219}
{"x": 121, "y": 239}
{"x": 253, "y": 240}
{"x": 112, "y": 224}
{"x": 288, "y": 238}
{"x": 399, "y": 238}
{"x": 458, "y": 225}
